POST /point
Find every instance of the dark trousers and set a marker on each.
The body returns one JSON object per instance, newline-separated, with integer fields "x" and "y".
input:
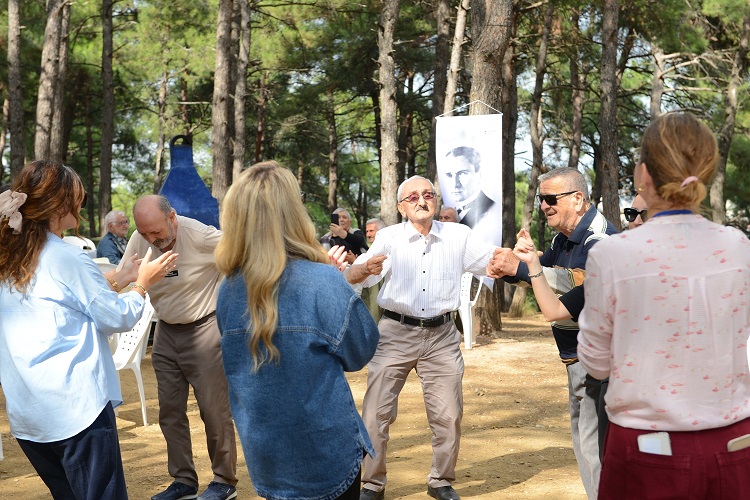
{"x": 87, "y": 466}
{"x": 596, "y": 390}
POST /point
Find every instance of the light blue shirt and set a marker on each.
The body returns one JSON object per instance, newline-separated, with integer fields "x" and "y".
{"x": 56, "y": 367}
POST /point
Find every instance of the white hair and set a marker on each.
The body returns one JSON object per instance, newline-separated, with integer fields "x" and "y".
{"x": 111, "y": 217}
{"x": 401, "y": 187}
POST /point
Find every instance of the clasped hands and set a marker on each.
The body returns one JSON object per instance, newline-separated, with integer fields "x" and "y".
{"x": 504, "y": 261}
{"x": 338, "y": 257}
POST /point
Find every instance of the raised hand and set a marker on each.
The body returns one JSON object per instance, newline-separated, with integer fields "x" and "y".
{"x": 151, "y": 272}
{"x": 337, "y": 255}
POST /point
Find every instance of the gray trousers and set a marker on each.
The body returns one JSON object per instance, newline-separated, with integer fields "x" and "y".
{"x": 435, "y": 354}
{"x": 190, "y": 355}
{"x": 584, "y": 425}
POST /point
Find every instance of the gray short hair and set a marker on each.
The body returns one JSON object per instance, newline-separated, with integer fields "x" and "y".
{"x": 379, "y": 223}
{"x": 343, "y": 211}
{"x": 112, "y": 217}
{"x": 573, "y": 177}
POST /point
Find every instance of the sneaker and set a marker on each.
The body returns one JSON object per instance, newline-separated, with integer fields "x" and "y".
{"x": 177, "y": 491}
{"x": 218, "y": 491}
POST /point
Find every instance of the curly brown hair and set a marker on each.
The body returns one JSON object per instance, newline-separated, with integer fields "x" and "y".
{"x": 53, "y": 190}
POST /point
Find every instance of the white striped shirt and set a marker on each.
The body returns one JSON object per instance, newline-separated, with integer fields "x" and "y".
{"x": 422, "y": 273}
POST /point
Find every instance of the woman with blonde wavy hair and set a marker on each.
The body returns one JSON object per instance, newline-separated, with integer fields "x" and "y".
{"x": 291, "y": 326}
{"x": 56, "y": 312}
{"x": 667, "y": 319}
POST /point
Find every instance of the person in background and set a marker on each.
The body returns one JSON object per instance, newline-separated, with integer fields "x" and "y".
{"x": 370, "y": 295}
{"x": 637, "y": 213}
{"x": 421, "y": 261}
{"x": 372, "y": 227}
{"x": 448, "y": 214}
{"x": 56, "y": 312}
{"x": 291, "y": 326}
{"x": 667, "y": 320}
{"x": 187, "y": 348}
{"x": 113, "y": 244}
{"x": 342, "y": 234}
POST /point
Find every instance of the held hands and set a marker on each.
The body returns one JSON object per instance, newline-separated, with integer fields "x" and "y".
{"x": 128, "y": 271}
{"x": 151, "y": 272}
{"x": 525, "y": 249}
{"x": 375, "y": 264}
{"x": 502, "y": 263}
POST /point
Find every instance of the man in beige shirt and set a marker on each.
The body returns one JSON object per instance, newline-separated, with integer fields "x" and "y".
{"x": 187, "y": 349}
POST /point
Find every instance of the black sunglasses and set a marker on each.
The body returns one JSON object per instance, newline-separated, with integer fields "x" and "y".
{"x": 632, "y": 213}
{"x": 551, "y": 199}
{"x": 85, "y": 199}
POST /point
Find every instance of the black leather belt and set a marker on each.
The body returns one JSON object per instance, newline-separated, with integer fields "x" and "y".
{"x": 420, "y": 322}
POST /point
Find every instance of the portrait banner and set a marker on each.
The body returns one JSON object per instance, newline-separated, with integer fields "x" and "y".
{"x": 469, "y": 165}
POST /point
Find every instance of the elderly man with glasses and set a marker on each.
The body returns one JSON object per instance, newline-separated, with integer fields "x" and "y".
{"x": 420, "y": 262}
{"x": 113, "y": 244}
{"x": 564, "y": 199}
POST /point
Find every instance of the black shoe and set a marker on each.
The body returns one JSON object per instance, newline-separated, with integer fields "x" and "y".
{"x": 443, "y": 493}
{"x": 368, "y": 494}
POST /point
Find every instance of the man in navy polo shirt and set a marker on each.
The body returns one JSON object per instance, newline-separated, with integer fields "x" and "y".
{"x": 564, "y": 199}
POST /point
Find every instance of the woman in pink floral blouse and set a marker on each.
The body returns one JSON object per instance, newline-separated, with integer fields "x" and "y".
{"x": 666, "y": 319}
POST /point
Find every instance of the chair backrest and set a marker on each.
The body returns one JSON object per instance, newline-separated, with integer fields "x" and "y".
{"x": 466, "y": 289}
{"x": 104, "y": 264}
{"x": 83, "y": 243}
{"x": 130, "y": 343}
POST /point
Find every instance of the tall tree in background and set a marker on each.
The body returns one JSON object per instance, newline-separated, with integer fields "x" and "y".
{"x": 459, "y": 37}
{"x": 608, "y": 114}
{"x": 108, "y": 115}
{"x": 738, "y": 73}
{"x": 537, "y": 144}
{"x": 57, "y": 132}
{"x": 491, "y": 28}
{"x": 440, "y": 80}
{"x": 388, "y": 118}
{"x": 221, "y": 109}
{"x": 240, "y": 88}
{"x": 15, "y": 94}
{"x": 48, "y": 79}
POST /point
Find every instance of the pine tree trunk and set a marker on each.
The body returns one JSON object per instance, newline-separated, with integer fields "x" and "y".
{"x": 578, "y": 94}
{"x": 491, "y": 29}
{"x": 440, "y": 80}
{"x": 608, "y": 116}
{"x": 388, "y": 110}
{"x": 537, "y": 146}
{"x": 240, "y": 90}
{"x": 57, "y": 131}
{"x": 108, "y": 114}
{"x": 510, "y": 124}
{"x": 221, "y": 111}
{"x": 739, "y": 69}
{"x": 48, "y": 79}
{"x": 333, "y": 153}
{"x": 15, "y": 94}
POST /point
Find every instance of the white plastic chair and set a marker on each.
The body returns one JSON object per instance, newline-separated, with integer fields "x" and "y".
{"x": 464, "y": 308}
{"x": 104, "y": 264}
{"x": 83, "y": 243}
{"x": 131, "y": 348}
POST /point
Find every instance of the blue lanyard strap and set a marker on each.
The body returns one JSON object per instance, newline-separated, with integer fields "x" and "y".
{"x": 671, "y": 212}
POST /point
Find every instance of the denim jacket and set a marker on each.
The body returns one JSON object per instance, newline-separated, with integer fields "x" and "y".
{"x": 297, "y": 421}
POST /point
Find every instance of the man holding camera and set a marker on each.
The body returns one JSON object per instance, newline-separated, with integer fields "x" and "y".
{"x": 342, "y": 234}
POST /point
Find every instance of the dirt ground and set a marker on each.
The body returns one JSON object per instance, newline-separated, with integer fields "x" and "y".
{"x": 515, "y": 434}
